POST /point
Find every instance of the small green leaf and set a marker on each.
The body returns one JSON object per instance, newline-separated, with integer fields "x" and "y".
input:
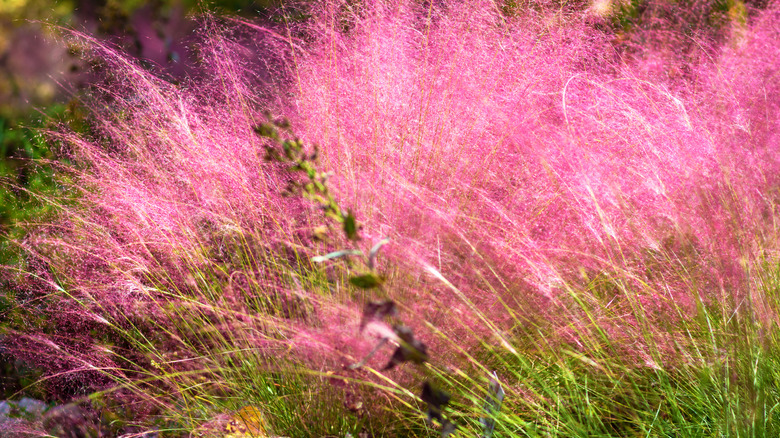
{"x": 336, "y": 254}
{"x": 350, "y": 227}
{"x": 367, "y": 281}
{"x": 267, "y": 130}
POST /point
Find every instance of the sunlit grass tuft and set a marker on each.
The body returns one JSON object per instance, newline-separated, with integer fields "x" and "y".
{"x": 592, "y": 230}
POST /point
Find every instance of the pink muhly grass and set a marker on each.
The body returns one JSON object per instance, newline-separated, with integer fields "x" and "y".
{"x": 517, "y": 163}
{"x": 527, "y": 154}
{"x": 176, "y": 226}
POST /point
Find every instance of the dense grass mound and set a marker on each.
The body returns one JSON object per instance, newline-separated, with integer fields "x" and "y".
{"x": 591, "y": 216}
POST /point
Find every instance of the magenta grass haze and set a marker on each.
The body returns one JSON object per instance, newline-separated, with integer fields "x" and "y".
{"x": 538, "y": 149}
{"x": 521, "y": 157}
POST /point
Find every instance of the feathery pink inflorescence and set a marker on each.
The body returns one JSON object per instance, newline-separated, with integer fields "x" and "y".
{"x": 539, "y": 149}
{"x": 517, "y": 157}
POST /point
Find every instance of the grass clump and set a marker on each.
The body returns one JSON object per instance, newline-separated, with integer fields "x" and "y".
{"x": 581, "y": 240}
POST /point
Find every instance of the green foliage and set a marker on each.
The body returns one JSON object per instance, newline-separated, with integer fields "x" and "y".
{"x": 307, "y": 180}
{"x": 25, "y": 181}
{"x": 22, "y": 149}
{"x": 350, "y": 227}
{"x": 367, "y": 281}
